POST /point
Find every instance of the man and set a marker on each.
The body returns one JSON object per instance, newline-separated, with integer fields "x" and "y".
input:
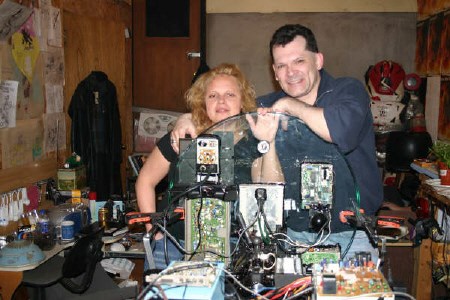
{"x": 337, "y": 110}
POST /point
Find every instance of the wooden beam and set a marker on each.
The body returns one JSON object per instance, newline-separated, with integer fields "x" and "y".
{"x": 271, "y": 6}
{"x": 23, "y": 176}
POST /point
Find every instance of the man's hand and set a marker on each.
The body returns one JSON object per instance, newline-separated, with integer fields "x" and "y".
{"x": 183, "y": 126}
{"x": 265, "y": 126}
{"x": 290, "y": 106}
{"x": 312, "y": 116}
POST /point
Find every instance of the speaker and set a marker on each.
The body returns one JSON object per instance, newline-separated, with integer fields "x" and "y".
{"x": 403, "y": 147}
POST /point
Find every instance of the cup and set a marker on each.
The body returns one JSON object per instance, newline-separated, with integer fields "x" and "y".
{"x": 67, "y": 230}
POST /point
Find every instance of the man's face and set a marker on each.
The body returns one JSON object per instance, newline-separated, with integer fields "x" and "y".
{"x": 297, "y": 69}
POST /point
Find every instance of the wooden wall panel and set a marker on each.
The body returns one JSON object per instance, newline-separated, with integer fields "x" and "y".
{"x": 94, "y": 40}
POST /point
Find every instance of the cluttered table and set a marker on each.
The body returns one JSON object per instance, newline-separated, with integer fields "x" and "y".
{"x": 115, "y": 246}
{"x": 436, "y": 196}
{"x": 11, "y": 276}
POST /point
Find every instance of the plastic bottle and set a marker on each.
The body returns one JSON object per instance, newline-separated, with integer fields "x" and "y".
{"x": 415, "y": 115}
{"x": 45, "y": 235}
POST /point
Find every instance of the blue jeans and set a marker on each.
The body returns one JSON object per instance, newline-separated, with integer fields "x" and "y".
{"x": 158, "y": 253}
{"x": 360, "y": 243}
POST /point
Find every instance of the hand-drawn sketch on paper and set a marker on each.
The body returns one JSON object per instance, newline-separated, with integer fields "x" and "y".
{"x": 12, "y": 16}
{"x": 25, "y": 48}
{"x": 23, "y": 144}
{"x": 54, "y": 66}
{"x": 8, "y": 100}
{"x": 41, "y": 31}
{"x": 54, "y": 132}
{"x": 54, "y": 29}
{"x": 54, "y": 100}
{"x": 6, "y": 62}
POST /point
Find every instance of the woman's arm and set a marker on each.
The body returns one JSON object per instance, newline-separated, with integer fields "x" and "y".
{"x": 183, "y": 126}
{"x": 267, "y": 168}
{"x": 154, "y": 170}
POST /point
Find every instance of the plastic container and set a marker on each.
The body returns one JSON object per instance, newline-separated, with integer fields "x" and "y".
{"x": 45, "y": 233}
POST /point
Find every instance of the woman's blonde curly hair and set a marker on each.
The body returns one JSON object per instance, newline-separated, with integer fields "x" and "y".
{"x": 195, "y": 96}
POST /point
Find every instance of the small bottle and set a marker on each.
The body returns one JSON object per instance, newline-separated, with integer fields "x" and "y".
{"x": 103, "y": 217}
{"x": 45, "y": 232}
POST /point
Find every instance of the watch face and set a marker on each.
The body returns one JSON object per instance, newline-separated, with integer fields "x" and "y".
{"x": 263, "y": 147}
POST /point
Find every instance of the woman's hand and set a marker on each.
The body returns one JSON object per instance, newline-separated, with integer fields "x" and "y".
{"x": 265, "y": 126}
{"x": 183, "y": 126}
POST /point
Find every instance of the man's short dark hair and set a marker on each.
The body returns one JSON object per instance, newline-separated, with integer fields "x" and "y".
{"x": 287, "y": 33}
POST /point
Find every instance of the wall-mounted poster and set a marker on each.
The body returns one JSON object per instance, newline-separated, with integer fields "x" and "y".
{"x": 8, "y": 100}
{"x": 444, "y": 109}
{"x": 150, "y": 125}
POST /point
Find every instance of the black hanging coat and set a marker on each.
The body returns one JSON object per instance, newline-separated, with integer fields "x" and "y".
{"x": 96, "y": 133}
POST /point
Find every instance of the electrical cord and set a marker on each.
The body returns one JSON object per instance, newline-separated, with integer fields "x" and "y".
{"x": 199, "y": 228}
{"x": 349, "y": 244}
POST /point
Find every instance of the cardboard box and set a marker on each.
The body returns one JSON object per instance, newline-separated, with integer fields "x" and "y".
{"x": 72, "y": 179}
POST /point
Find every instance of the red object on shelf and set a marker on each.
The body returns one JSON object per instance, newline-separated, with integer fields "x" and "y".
{"x": 423, "y": 208}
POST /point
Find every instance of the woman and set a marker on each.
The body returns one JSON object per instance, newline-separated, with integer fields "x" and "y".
{"x": 218, "y": 94}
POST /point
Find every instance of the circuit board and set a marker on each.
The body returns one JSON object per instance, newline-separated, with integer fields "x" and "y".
{"x": 317, "y": 182}
{"x": 318, "y": 254}
{"x": 342, "y": 283}
{"x": 189, "y": 280}
{"x": 213, "y": 223}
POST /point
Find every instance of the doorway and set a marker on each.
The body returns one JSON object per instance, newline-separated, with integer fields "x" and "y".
{"x": 162, "y": 70}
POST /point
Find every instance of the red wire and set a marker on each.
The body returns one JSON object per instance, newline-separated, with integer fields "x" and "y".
{"x": 288, "y": 288}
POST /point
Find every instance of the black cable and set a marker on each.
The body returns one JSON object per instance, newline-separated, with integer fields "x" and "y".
{"x": 166, "y": 252}
{"x": 199, "y": 229}
{"x": 349, "y": 244}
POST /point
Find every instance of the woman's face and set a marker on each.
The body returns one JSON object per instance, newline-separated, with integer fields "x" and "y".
{"x": 223, "y": 98}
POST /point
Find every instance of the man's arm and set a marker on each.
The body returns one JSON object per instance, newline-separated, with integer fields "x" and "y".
{"x": 312, "y": 116}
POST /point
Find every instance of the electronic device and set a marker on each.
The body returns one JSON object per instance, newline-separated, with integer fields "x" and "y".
{"x": 79, "y": 213}
{"x": 208, "y": 164}
{"x": 207, "y": 229}
{"x": 317, "y": 188}
{"x": 264, "y": 198}
{"x": 195, "y": 161}
{"x": 333, "y": 282}
{"x": 318, "y": 254}
{"x": 256, "y": 260}
{"x": 118, "y": 265}
{"x": 189, "y": 280}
